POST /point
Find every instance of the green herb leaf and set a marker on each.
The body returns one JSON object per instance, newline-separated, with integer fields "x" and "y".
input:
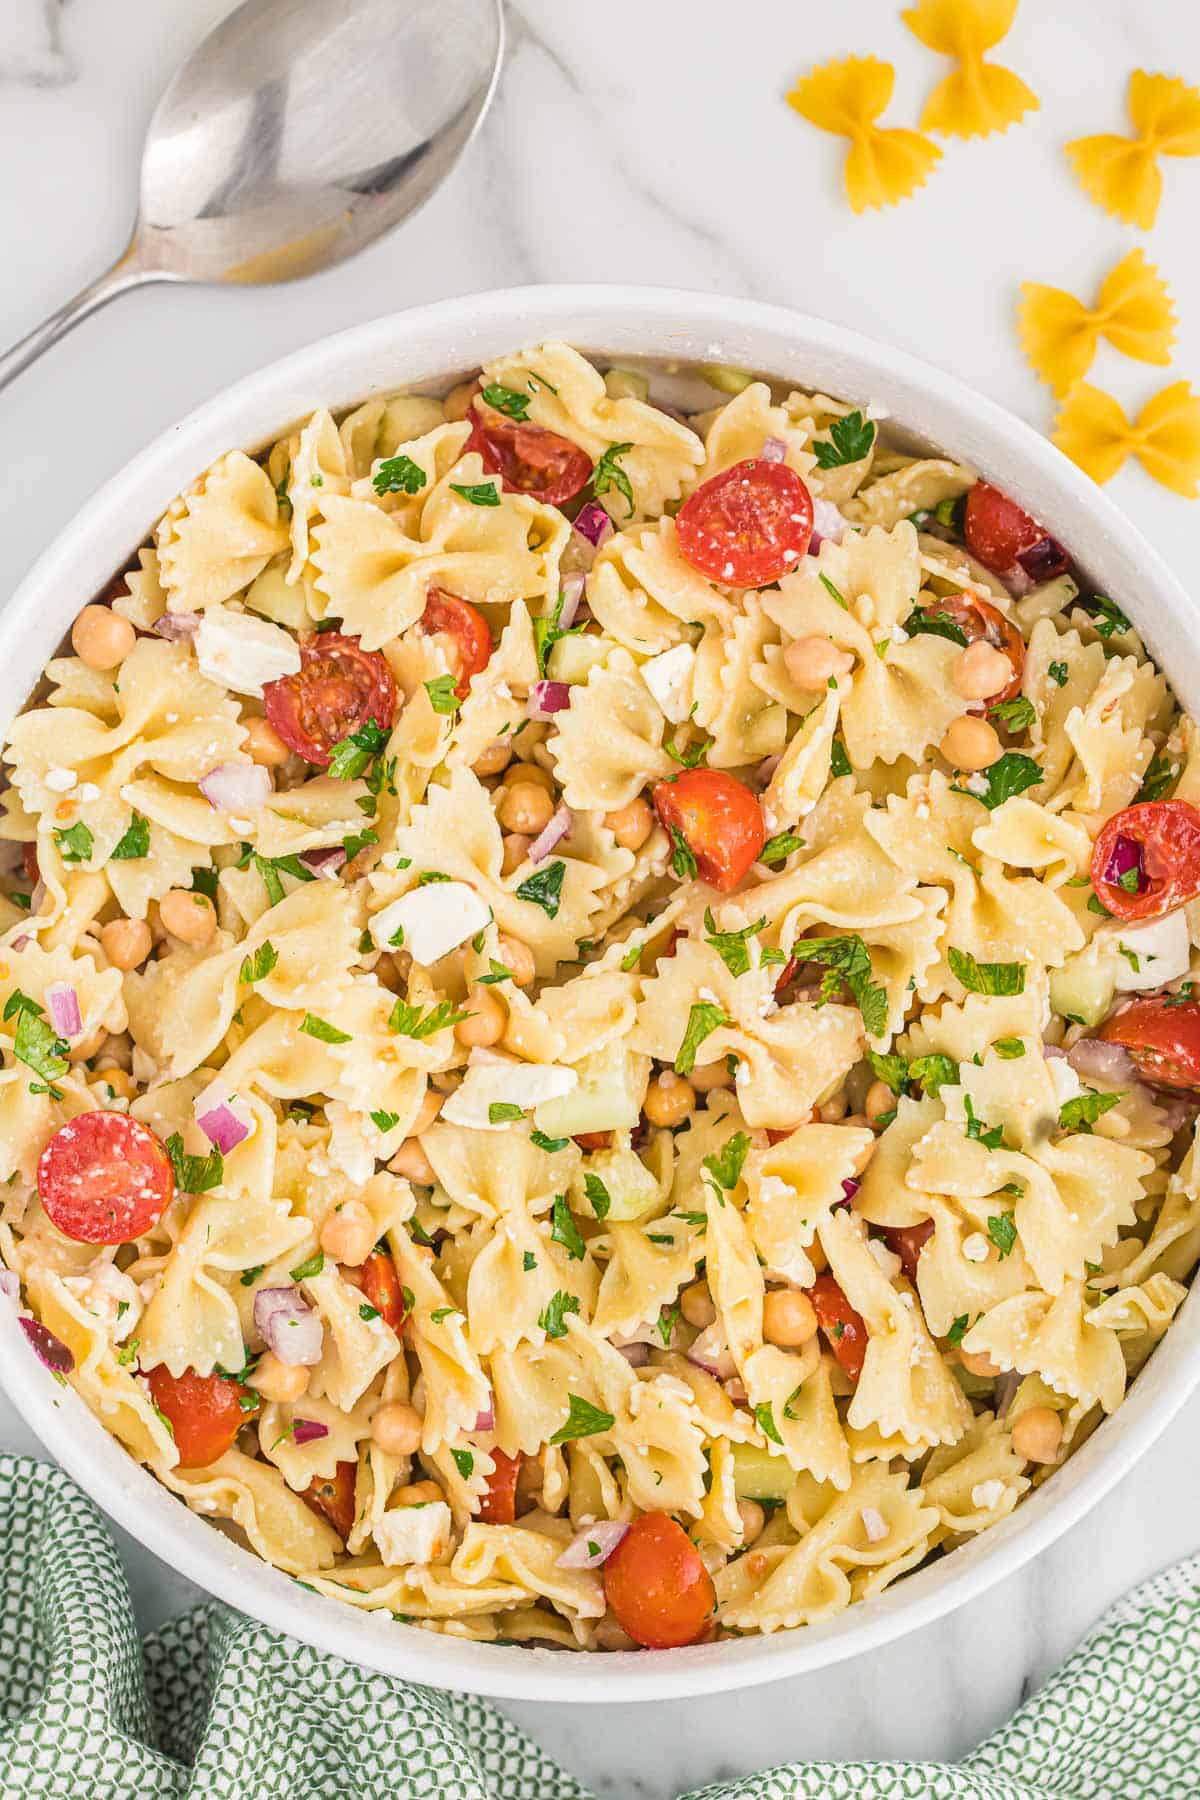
{"x": 312, "y": 1265}
{"x": 367, "y": 1312}
{"x": 501, "y": 1112}
{"x": 891, "y": 1070}
{"x": 632, "y": 957}
{"x": 506, "y": 400}
{"x": 779, "y": 848}
{"x": 529, "y": 1262}
{"x": 441, "y": 1312}
{"x": 1010, "y": 774}
{"x": 319, "y": 1028}
{"x": 544, "y": 888}
{"x": 991, "y": 1137}
{"x": 564, "y": 1231}
{"x": 1015, "y": 715}
{"x": 835, "y": 593}
{"x": 194, "y": 1174}
{"x": 692, "y": 755}
{"x": 351, "y": 755}
{"x": 552, "y": 1319}
{"x": 1009, "y": 1048}
{"x": 986, "y": 977}
{"x": 398, "y": 475}
{"x": 725, "y": 1167}
{"x": 384, "y": 1121}
{"x": 549, "y": 1144}
{"x": 1158, "y": 779}
{"x": 608, "y": 473}
{"x": 733, "y": 947}
{"x": 583, "y": 1420}
{"x": 766, "y": 1422}
{"x": 1058, "y": 673}
{"x": 704, "y": 1018}
{"x": 668, "y": 1318}
{"x": 442, "y": 696}
{"x": 958, "y": 1329}
{"x": 847, "y": 960}
{"x": 547, "y": 633}
{"x": 929, "y": 622}
{"x": 18, "y": 1002}
{"x": 1003, "y": 1233}
{"x": 259, "y": 965}
{"x": 75, "y": 842}
{"x": 250, "y": 1276}
{"x": 683, "y": 862}
{"x": 839, "y": 762}
{"x": 1081, "y": 1113}
{"x": 128, "y": 1352}
{"x": 1108, "y": 619}
{"x": 464, "y": 1462}
{"x": 479, "y": 493}
{"x": 598, "y": 1195}
{"x": 850, "y": 439}
{"x": 409, "y": 1021}
{"x": 135, "y": 841}
{"x": 496, "y": 973}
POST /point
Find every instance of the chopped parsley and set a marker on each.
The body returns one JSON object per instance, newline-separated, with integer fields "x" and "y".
{"x": 1081, "y": 1113}
{"x": 1010, "y": 774}
{"x": 692, "y": 755}
{"x": 398, "y": 475}
{"x": 598, "y": 1195}
{"x": 351, "y": 755}
{"x": 320, "y": 1028}
{"x": 564, "y": 1231}
{"x": 367, "y": 1312}
{"x": 1015, "y": 715}
{"x": 384, "y": 1121}
{"x": 552, "y": 1319}
{"x": 548, "y": 1144}
{"x": 250, "y": 1276}
{"x": 502, "y": 1112}
{"x": 496, "y": 972}
{"x": 668, "y": 1319}
{"x": 850, "y": 439}
{"x": 134, "y": 843}
{"x": 410, "y": 1021}
{"x": 683, "y": 861}
{"x": 704, "y": 1018}
{"x": 583, "y": 1420}
{"x": 1003, "y": 1233}
{"x": 1158, "y": 778}
{"x": 258, "y": 966}
{"x": 632, "y": 957}
{"x": 847, "y": 960}
{"x": 1009, "y": 1048}
{"x": 440, "y": 1313}
{"x": 779, "y": 848}
{"x": 835, "y": 593}
{"x": 464, "y": 1462}
{"x": 929, "y": 622}
{"x": 479, "y": 493}
{"x": 75, "y": 842}
{"x": 991, "y": 1137}
{"x": 194, "y": 1174}
{"x": 934, "y": 1072}
{"x": 442, "y": 696}
{"x": 986, "y": 977}
{"x": 529, "y": 1262}
{"x": 506, "y": 400}
{"x": 766, "y": 1422}
{"x": 839, "y": 762}
{"x": 725, "y": 1167}
{"x": 312, "y": 1265}
{"x": 733, "y": 947}
{"x": 544, "y": 888}
{"x": 39, "y": 1047}
{"x": 958, "y": 1329}
{"x": 1058, "y": 672}
{"x": 547, "y": 632}
{"x": 1107, "y": 618}
{"x": 608, "y": 473}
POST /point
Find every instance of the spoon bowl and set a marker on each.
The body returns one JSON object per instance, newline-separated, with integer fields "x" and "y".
{"x": 297, "y": 133}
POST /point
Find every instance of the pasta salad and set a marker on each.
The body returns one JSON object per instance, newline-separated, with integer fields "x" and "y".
{"x": 597, "y": 1022}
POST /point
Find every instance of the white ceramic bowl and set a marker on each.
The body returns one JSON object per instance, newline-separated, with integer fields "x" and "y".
{"x": 430, "y": 348}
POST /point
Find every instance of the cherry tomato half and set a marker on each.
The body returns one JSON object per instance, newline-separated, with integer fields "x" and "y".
{"x": 1163, "y": 1040}
{"x": 528, "y": 458}
{"x": 719, "y": 820}
{"x": 338, "y": 688}
{"x": 907, "y": 1242}
{"x": 657, "y": 1586}
{"x": 747, "y": 526}
{"x": 104, "y": 1178}
{"x": 332, "y": 1498}
{"x": 1146, "y": 860}
{"x": 977, "y": 618}
{"x": 205, "y": 1412}
{"x": 1003, "y": 536}
{"x": 498, "y": 1506}
{"x": 466, "y": 625}
{"x": 843, "y": 1327}
{"x": 381, "y": 1285}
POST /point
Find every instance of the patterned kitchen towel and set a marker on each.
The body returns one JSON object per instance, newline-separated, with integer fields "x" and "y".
{"x": 213, "y": 1707}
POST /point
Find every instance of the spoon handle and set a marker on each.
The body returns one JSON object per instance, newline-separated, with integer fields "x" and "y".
{"x": 124, "y": 274}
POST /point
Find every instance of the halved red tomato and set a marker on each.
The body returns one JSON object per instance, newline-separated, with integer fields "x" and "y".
{"x": 844, "y": 1329}
{"x": 332, "y": 1498}
{"x": 657, "y": 1585}
{"x": 468, "y": 628}
{"x": 205, "y": 1412}
{"x": 977, "y": 618}
{"x": 1162, "y": 1037}
{"x": 1003, "y": 536}
{"x": 339, "y": 687}
{"x": 1146, "y": 860}
{"x": 528, "y": 458}
{"x": 907, "y": 1242}
{"x": 718, "y": 819}
{"x": 498, "y": 1506}
{"x": 748, "y": 525}
{"x": 381, "y": 1285}
{"x": 104, "y": 1178}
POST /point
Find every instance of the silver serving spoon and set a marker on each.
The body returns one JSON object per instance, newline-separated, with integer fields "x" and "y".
{"x": 297, "y": 133}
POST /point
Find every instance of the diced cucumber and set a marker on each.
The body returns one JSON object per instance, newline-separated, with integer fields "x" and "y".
{"x": 725, "y": 378}
{"x": 631, "y": 1188}
{"x": 612, "y": 1086}
{"x": 1084, "y": 987}
{"x": 626, "y": 384}
{"x": 572, "y": 657}
{"x": 757, "y": 1475}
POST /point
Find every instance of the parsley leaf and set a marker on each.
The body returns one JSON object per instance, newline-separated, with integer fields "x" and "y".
{"x": 1010, "y": 774}
{"x": 564, "y": 1231}
{"x": 1109, "y": 620}
{"x": 850, "y": 440}
{"x": 1081, "y": 1113}
{"x": 547, "y": 632}
{"x": 725, "y": 1167}
{"x": 194, "y": 1174}
{"x": 583, "y": 1420}
{"x": 835, "y": 593}
{"x": 1015, "y": 715}
{"x": 496, "y": 972}
{"x": 319, "y": 1028}
{"x": 958, "y": 1329}
{"x": 991, "y": 1137}
{"x": 544, "y": 888}
{"x": 891, "y": 1070}
{"x": 839, "y": 762}
{"x": 442, "y": 696}
{"x": 75, "y": 843}
{"x": 548, "y": 1144}
{"x": 40, "y": 1048}
{"x": 1158, "y": 778}
{"x": 134, "y": 843}
{"x": 733, "y": 947}
{"x": 259, "y": 965}
{"x": 18, "y": 1002}
{"x": 398, "y": 475}
{"x": 1003, "y": 1233}
{"x": 506, "y": 400}
{"x": 552, "y": 1319}
{"x": 250, "y": 1276}
{"x": 692, "y": 755}
{"x": 529, "y": 1262}
{"x": 464, "y": 1462}
{"x": 1058, "y": 673}
{"x": 986, "y": 977}
{"x": 350, "y": 755}
{"x": 704, "y": 1018}
{"x": 847, "y": 959}
{"x": 312, "y": 1265}
{"x": 766, "y": 1422}
{"x": 598, "y": 1194}
{"x": 608, "y": 473}
{"x": 683, "y": 862}
{"x": 779, "y": 848}
{"x": 1009, "y": 1048}
{"x": 408, "y": 1021}
{"x": 479, "y": 493}
{"x": 500, "y": 1112}
{"x": 928, "y": 622}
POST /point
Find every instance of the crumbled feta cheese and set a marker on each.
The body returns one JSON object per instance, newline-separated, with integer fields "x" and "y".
{"x": 60, "y": 781}
{"x": 828, "y": 521}
{"x": 493, "y": 1080}
{"x": 987, "y": 1494}
{"x": 413, "y": 1534}
{"x": 976, "y": 784}
{"x": 1158, "y": 952}
{"x": 669, "y": 678}
{"x": 874, "y": 1524}
{"x": 87, "y": 791}
{"x": 349, "y": 1149}
{"x": 975, "y": 1247}
{"x": 887, "y": 1259}
{"x": 1063, "y": 1079}
{"x": 244, "y": 652}
{"x": 899, "y": 635}
{"x": 435, "y": 919}
{"x": 110, "y": 1294}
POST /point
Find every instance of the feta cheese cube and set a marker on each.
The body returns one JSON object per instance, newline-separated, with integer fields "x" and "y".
{"x": 1152, "y": 954}
{"x": 1063, "y": 1079}
{"x": 987, "y": 1494}
{"x": 975, "y": 1247}
{"x": 493, "y": 1080}
{"x": 413, "y": 1534}
{"x": 669, "y": 678}
{"x": 435, "y": 919}
{"x": 243, "y": 652}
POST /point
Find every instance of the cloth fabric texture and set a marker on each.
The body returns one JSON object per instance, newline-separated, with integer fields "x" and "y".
{"x": 215, "y": 1707}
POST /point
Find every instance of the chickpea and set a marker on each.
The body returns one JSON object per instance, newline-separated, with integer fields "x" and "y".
{"x": 493, "y": 759}
{"x": 514, "y": 851}
{"x": 1037, "y": 1434}
{"x": 417, "y": 1493}
{"x": 880, "y": 1100}
{"x": 264, "y": 744}
{"x": 188, "y": 916}
{"x": 526, "y": 808}
{"x": 833, "y": 1110}
{"x": 709, "y": 1076}
{"x": 670, "y": 1099}
{"x": 348, "y": 1235}
{"x": 788, "y": 1318}
{"x": 411, "y": 1162}
{"x": 980, "y": 671}
{"x": 101, "y": 638}
{"x": 89, "y": 1046}
{"x": 396, "y": 1428}
{"x": 457, "y": 403}
{"x": 695, "y": 1303}
{"x": 535, "y": 774}
{"x": 977, "y": 1362}
{"x": 278, "y": 1381}
{"x": 631, "y": 825}
{"x": 753, "y": 1520}
{"x": 812, "y": 662}
{"x": 970, "y": 744}
{"x": 431, "y": 1105}
{"x": 519, "y": 958}
{"x": 126, "y": 942}
{"x": 119, "y": 1080}
{"x": 486, "y": 1021}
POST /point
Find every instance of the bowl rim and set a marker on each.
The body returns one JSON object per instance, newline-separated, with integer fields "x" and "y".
{"x": 665, "y": 325}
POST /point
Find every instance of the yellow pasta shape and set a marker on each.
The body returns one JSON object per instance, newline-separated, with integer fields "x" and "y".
{"x": 883, "y": 164}
{"x": 1121, "y": 173}
{"x": 1133, "y": 311}
{"x": 1093, "y": 431}
{"x": 978, "y": 97}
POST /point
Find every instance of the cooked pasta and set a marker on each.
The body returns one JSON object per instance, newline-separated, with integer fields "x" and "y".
{"x": 583, "y": 1060}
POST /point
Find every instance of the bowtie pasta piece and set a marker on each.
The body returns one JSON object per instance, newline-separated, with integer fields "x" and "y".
{"x": 1121, "y": 173}
{"x": 978, "y": 97}
{"x": 1133, "y": 312}
{"x": 884, "y": 164}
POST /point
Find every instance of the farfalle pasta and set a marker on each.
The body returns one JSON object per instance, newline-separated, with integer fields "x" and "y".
{"x": 598, "y": 999}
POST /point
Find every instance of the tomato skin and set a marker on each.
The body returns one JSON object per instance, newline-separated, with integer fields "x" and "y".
{"x": 594, "y": 1140}
{"x": 338, "y": 688}
{"x": 528, "y": 458}
{"x": 381, "y": 1285}
{"x": 977, "y": 618}
{"x": 466, "y": 625}
{"x": 1168, "y": 834}
{"x": 29, "y": 863}
{"x": 907, "y": 1242}
{"x": 104, "y": 1178}
{"x": 833, "y": 1309}
{"x": 999, "y": 533}
{"x": 204, "y": 1411}
{"x": 748, "y": 525}
{"x": 332, "y": 1498}
{"x": 657, "y": 1586}
{"x": 1163, "y": 1040}
{"x": 498, "y": 1506}
{"x": 719, "y": 819}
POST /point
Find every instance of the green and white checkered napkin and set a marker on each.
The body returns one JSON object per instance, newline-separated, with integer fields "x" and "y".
{"x": 214, "y": 1706}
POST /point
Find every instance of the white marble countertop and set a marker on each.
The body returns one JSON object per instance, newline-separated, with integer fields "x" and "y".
{"x": 646, "y": 143}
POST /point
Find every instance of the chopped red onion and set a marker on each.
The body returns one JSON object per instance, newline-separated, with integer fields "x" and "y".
{"x": 547, "y": 698}
{"x": 289, "y": 1325}
{"x": 307, "y": 1431}
{"x": 774, "y": 450}
{"x": 710, "y": 1352}
{"x": 1043, "y": 560}
{"x": 1098, "y": 1061}
{"x": 486, "y": 1420}
{"x": 236, "y": 787}
{"x": 636, "y": 1355}
{"x": 62, "y": 1003}
{"x": 1126, "y": 855}
{"x": 594, "y": 524}
{"x": 767, "y": 768}
{"x": 736, "y": 1390}
{"x": 177, "y": 627}
{"x": 10, "y": 1285}
{"x": 324, "y": 862}
{"x": 1017, "y": 582}
{"x": 50, "y": 1351}
{"x": 874, "y": 1524}
{"x": 19, "y": 943}
{"x": 553, "y": 834}
{"x": 604, "y": 1535}
{"x": 850, "y": 1187}
{"x": 222, "y": 1126}
{"x": 572, "y": 594}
